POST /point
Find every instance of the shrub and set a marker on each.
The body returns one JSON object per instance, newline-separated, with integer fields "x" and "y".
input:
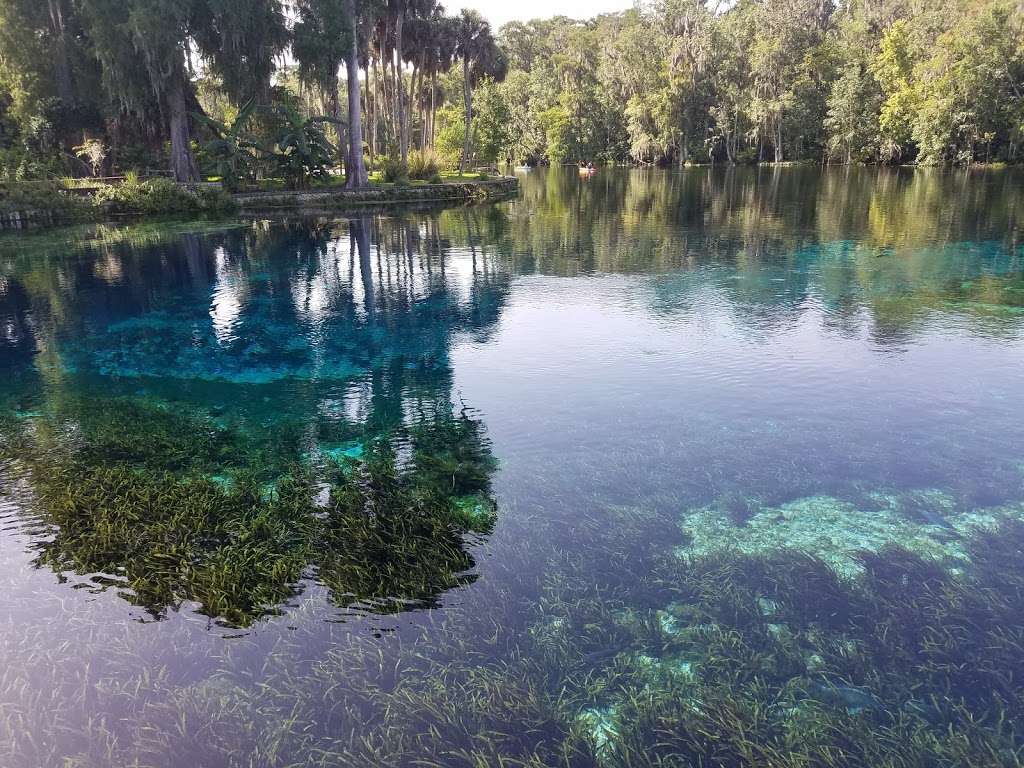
{"x": 161, "y": 196}
{"x": 41, "y": 196}
{"x": 393, "y": 171}
{"x": 215, "y": 200}
{"x": 423, "y": 164}
{"x": 436, "y": 179}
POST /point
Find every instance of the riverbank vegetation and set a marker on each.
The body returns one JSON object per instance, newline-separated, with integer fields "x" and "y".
{"x": 59, "y": 201}
{"x": 201, "y": 88}
{"x": 684, "y": 81}
{"x": 253, "y": 94}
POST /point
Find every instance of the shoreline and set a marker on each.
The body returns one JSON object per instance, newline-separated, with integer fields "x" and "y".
{"x": 459, "y": 191}
{"x": 248, "y": 203}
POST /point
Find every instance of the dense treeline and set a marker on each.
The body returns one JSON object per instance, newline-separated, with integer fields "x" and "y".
{"x": 231, "y": 87}
{"x": 250, "y": 89}
{"x": 769, "y": 80}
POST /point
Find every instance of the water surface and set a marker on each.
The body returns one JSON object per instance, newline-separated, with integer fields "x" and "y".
{"x": 653, "y": 468}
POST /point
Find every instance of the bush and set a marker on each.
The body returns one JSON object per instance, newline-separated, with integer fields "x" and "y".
{"x": 41, "y": 196}
{"x": 162, "y": 196}
{"x": 19, "y": 164}
{"x": 423, "y": 164}
{"x": 393, "y": 171}
{"x": 435, "y": 179}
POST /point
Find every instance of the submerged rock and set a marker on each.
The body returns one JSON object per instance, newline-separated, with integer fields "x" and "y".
{"x": 600, "y": 725}
{"x": 925, "y": 522}
{"x": 351, "y": 450}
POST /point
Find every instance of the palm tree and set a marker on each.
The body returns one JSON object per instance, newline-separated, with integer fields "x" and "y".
{"x": 481, "y": 57}
{"x": 443, "y": 41}
{"x": 355, "y": 168}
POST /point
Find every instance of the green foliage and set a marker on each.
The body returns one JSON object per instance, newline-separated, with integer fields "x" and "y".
{"x": 162, "y": 196}
{"x": 451, "y": 132}
{"x": 94, "y": 152}
{"x": 492, "y": 130}
{"x": 852, "y": 121}
{"x": 764, "y": 81}
{"x": 893, "y": 69}
{"x": 233, "y": 153}
{"x": 42, "y": 196}
{"x": 302, "y": 152}
{"x": 665, "y": 82}
{"x": 557, "y": 130}
{"x": 172, "y": 502}
{"x": 394, "y": 171}
{"x": 423, "y": 165}
{"x": 969, "y": 95}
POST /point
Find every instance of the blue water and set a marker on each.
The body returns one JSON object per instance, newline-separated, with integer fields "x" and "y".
{"x": 707, "y": 399}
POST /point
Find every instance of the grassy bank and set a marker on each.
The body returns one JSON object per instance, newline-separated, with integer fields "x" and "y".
{"x": 28, "y": 204}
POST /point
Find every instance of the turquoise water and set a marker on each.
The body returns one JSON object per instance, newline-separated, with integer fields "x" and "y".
{"x": 719, "y": 468}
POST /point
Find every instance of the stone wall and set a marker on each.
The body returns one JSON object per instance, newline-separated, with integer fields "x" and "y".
{"x": 467, "y": 191}
{"x": 28, "y": 219}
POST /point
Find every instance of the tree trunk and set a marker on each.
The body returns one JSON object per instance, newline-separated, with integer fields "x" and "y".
{"x": 403, "y": 135}
{"x": 424, "y": 119}
{"x": 61, "y": 59}
{"x": 433, "y": 106}
{"x": 467, "y": 97}
{"x": 371, "y": 113}
{"x": 183, "y": 165}
{"x": 413, "y": 106}
{"x": 778, "y": 138}
{"x": 356, "y": 169}
{"x": 331, "y": 97}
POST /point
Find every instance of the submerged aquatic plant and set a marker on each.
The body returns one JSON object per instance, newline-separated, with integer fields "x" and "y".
{"x": 774, "y": 659}
{"x": 170, "y": 507}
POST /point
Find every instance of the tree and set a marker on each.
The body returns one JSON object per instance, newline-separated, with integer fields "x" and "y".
{"x": 852, "y": 120}
{"x": 481, "y": 57}
{"x": 239, "y": 41}
{"x": 970, "y": 92}
{"x": 356, "y": 169}
{"x": 321, "y": 39}
{"x": 893, "y": 68}
{"x": 492, "y": 137}
{"x": 126, "y": 33}
{"x": 234, "y": 152}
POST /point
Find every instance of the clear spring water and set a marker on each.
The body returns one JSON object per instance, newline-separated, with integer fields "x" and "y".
{"x": 677, "y": 373}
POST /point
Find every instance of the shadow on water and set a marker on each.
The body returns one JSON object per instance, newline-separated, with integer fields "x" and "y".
{"x": 714, "y": 467}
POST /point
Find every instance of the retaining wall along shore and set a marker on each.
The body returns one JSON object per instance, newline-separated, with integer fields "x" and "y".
{"x": 468, "y": 191}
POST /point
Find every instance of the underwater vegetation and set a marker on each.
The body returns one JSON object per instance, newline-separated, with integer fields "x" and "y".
{"x": 168, "y": 506}
{"x": 761, "y": 511}
{"x": 776, "y": 659}
{"x": 724, "y": 661}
